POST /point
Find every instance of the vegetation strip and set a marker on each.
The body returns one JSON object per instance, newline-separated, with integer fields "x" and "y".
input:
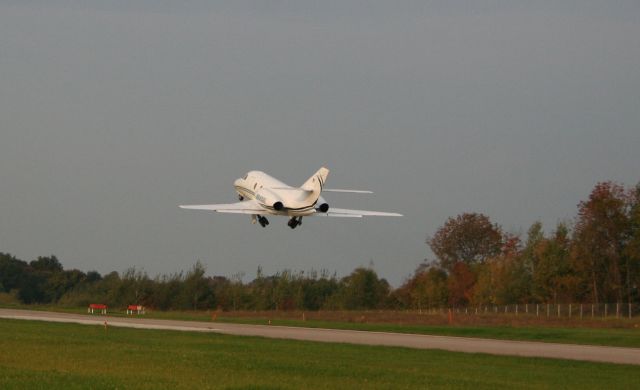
{"x": 615, "y": 337}
{"x": 39, "y": 354}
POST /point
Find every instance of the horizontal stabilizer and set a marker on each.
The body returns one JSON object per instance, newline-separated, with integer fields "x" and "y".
{"x": 347, "y": 191}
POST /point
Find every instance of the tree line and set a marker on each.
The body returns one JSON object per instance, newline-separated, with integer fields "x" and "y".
{"x": 44, "y": 281}
{"x": 595, "y": 258}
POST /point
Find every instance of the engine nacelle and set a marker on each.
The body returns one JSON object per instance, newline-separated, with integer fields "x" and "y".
{"x": 324, "y": 207}
{"x": 267, "y": 198}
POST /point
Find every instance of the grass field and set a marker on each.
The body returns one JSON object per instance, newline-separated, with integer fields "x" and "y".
{"x": 51, "y": 355}
{"x": 619, "y": 333}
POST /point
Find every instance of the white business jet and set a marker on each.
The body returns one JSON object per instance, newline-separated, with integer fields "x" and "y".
{"x": 261, "y": 194}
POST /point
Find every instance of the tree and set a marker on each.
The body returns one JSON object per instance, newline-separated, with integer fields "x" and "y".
{"x": 535, "y": 235}
{"x": 196, "y": 289}
{"x": 317, "y": 290}
{"x": 470, "y": 238}
{"x": 504, "y": 278}
{"x": 553, "y": 277}
{"x": 59, "y": 283}
{"x": 427, "y": 288}
{"x": 461, "y": 282}
{"x": 49, "y": 264}
{"x": 13, "y": 272}
{"x": 632, "y": 249}
{"x": 362, "y": 289}
{"x": 600, "y": 235}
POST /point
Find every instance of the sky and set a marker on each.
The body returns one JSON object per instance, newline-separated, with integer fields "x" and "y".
{"x": 112, "y": 113}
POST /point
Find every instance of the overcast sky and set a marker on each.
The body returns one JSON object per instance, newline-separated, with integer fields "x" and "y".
{"x": 114, "y": 112}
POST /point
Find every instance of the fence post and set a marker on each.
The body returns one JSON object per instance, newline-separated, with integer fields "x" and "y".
{"x": 592, "y": 311}
{"x": 605, "y": 310}
{"x": 569, "y": 310}
{"x": 558, "y": 310}
{"x": 581, "y": 311}
{"x": 526, "y": 308}
{"x": 537, "y": 310}
{"x": 617, "y": 309}
{"x": 548, "y": 310}
{"x": 516, "y": 309}
{"x": 629, "y": 310}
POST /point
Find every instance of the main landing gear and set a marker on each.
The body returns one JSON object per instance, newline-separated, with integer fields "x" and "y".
{"x": 263, "y": 221}
{"x": 294, "y": 222}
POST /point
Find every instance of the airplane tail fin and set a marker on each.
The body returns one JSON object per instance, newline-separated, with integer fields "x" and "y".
{"x": 316, "y": 182}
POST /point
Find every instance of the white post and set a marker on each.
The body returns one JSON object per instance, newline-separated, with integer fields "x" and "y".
{"x": 581, "y": 311}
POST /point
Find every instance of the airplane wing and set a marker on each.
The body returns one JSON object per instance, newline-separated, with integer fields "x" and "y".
{"x": 346, "y": 213}
{"x": 244, "y": 207}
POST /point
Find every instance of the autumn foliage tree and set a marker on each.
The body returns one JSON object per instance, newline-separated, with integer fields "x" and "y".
{"x": 554, "y": 279}
{"x": 461, "y": 246}
{"x": 470, "y": 238}
{"x": 602, "y": 230}
{"x": 632, "y": 249}
{"x": 426, "y": 289}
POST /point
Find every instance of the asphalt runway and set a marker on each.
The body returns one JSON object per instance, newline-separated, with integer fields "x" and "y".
{"x": 456, "y": 344}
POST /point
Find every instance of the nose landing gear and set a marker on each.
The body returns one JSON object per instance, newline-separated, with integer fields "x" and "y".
{"x": 294, "y": 222}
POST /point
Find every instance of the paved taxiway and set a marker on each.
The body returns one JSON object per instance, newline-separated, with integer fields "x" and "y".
{"x": 458, "y": 344}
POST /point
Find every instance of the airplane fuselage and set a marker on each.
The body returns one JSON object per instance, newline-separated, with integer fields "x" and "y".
{"x": 276, "y": 196}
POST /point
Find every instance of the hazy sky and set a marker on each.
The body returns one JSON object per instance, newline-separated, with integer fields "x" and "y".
{"x": 114, "y": 112}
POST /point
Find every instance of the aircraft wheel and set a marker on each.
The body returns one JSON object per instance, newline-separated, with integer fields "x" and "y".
{"x": 294, "y": 222}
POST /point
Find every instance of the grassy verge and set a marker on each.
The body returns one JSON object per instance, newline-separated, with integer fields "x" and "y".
{"x": 51, "y": 355}
{"x": 587, "y": 336}
{"x": 619, "y": 337}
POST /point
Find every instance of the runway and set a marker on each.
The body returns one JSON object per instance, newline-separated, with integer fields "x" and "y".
{"x": 456, "y": 344}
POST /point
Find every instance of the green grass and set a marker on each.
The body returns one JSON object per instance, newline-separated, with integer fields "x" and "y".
{"x": 618, "y": 337}
{"x": 587, "y": 336}
{"x": 50, "y": 355}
